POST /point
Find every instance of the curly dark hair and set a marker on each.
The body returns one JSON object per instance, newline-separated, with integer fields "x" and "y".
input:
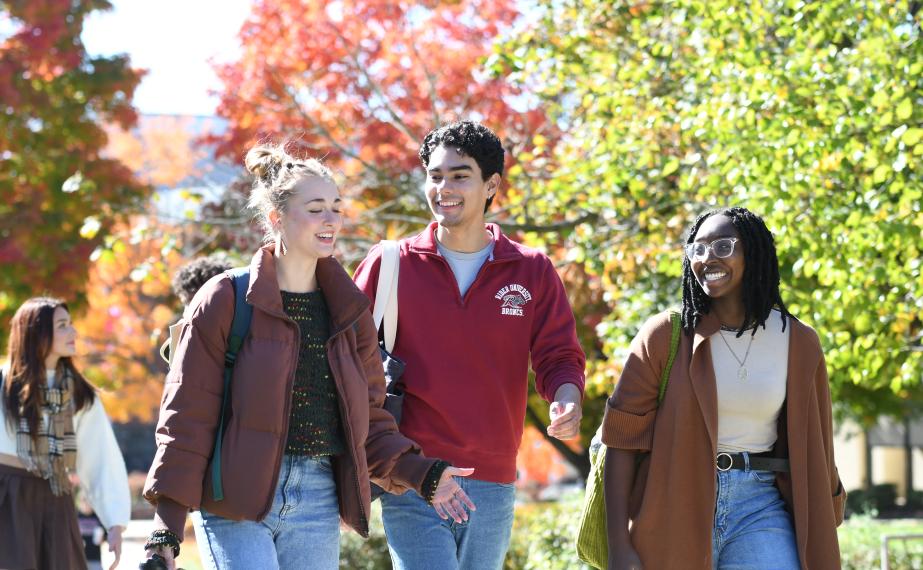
{"x": 190, "y": 277}
{"x": 469, "y": 138}
{"x": 761, "y": 273}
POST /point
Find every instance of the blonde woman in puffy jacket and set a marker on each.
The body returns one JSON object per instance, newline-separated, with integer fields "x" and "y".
{"x": 305, "y": 428}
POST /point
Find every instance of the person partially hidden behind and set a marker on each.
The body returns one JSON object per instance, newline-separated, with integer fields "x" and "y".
{"x": 186, "y": 283}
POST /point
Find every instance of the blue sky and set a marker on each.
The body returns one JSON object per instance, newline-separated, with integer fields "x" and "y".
{"x": 174, "y": 40}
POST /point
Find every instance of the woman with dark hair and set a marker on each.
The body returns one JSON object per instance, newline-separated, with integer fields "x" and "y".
{"x": 741, "y": 471}
{"x": 53, "y": 426}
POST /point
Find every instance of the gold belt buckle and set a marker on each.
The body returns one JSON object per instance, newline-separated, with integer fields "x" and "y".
{"x": 730, "y": 461}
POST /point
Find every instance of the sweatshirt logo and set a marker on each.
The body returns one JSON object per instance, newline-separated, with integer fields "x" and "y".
{"x": 513, "y": 297}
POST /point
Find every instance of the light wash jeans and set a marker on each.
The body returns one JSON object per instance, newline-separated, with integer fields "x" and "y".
{"x": 419, "y": 540}
{"x": 301, "y": 531}
{"x": 753, "y": 531}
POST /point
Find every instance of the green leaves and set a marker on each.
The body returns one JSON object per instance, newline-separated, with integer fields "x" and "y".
{"x": 904, "y": 109}
{"x": 806, "y": 113}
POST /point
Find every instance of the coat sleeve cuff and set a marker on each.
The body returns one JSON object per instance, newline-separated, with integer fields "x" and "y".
{"x": 409, "y": 472}
{"x": 624, "y": 430}
{"x": 171, "y": 516}
{"x": 182, "y": 484}
{"x": 551, "y": 386}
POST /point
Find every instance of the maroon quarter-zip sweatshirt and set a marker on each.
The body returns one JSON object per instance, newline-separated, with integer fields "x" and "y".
{"x": 468, "y": 357}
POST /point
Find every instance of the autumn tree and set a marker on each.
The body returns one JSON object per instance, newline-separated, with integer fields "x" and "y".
{"x": 130, "y": 302}
{"x": 360, "y": 83}
{"x": 809, "y": 113}
{"x": 59, "y": 197}
{"x": 129, "y": 306}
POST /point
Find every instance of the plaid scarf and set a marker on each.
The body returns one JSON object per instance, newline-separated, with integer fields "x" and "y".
{"x": 52, "y": 453}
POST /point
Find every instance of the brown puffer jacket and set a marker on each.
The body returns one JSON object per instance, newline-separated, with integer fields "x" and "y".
{"x": 260, "y": 400}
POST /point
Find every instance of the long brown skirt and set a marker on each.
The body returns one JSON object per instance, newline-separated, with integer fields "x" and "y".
{"x": 38, "y": 531}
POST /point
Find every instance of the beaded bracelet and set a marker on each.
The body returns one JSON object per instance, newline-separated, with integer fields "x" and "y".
{"x": 163, "y": 537}
{"x": 431, "y": 481}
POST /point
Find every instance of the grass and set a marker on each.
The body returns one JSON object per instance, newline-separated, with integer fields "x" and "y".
{"x": 860, "y": 543}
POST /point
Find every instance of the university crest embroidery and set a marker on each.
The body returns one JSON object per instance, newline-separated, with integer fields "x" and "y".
{"x": 513, "y": 297}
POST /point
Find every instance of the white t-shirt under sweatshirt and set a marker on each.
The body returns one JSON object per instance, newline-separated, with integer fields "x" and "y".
{"x": 465, "y": 266}
{"x": 749, "y": 408}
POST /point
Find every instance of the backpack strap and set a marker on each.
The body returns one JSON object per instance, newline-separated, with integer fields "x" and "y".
{"x": 240, "y": 326}
{"x": 674, "y": 348}
{"x": 385, "y": 310}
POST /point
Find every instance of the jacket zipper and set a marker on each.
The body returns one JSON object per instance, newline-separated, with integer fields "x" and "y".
{"x": 287, "y": 412}
{"x": 349, "y": 436}
{"x": 285, "y": 418}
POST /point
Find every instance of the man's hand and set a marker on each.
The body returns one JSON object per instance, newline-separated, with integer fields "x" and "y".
{"x": 565, "y": 413}
{"x": 115, "y": 544}
{"x": 625, "y": 559}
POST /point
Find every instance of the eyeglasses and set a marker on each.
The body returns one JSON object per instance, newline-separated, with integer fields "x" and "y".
{"x": 721, "y": 247}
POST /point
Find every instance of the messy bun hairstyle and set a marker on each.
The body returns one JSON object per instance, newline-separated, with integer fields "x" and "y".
{"x": 275, "y": 174}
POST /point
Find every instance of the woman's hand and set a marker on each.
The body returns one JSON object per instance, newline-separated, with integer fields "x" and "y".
{"x": 624, "y": 558}
{"x": 450, "y": 500}
{"x": 115, "y": 544}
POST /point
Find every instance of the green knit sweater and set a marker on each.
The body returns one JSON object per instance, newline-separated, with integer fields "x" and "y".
{"x": 314, "y": 426}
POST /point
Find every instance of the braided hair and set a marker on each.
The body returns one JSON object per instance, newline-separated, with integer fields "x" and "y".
{"x": 761, "y": 273}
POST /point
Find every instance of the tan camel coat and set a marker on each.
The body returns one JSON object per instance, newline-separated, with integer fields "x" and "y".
{"x": 672, "y": 524}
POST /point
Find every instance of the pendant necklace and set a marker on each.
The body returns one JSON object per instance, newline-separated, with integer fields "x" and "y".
{"x": 742, "y": 370}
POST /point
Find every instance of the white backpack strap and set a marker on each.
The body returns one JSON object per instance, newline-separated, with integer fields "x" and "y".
{"x": 385, "y": 311}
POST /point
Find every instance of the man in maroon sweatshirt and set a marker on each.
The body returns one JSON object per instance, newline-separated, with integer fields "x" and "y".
{"x": 474, "y": 310}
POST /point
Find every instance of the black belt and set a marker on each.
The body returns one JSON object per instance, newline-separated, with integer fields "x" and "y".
{"x": 758, "y": 462}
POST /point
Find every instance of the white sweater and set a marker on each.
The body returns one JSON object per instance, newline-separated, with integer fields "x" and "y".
{"x": 100, "y": 465}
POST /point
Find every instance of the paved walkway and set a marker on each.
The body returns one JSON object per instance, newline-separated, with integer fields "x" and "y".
{"x": 133, "y": 540}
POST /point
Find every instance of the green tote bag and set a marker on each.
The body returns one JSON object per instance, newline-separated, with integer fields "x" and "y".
{"x": 592, "y": 542}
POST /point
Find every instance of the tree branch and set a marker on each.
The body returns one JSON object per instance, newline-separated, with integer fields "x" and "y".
{"x": 430, "y": 80}
{"x": 398, "y": 122}
{"x": 586, "y": 217}
{"x": 326, "y": 134}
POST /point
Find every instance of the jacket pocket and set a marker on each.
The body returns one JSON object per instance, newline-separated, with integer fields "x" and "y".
{"x": 839, "y": 503}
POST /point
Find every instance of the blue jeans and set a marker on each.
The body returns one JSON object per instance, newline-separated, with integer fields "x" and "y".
{"x": 753, "y": 531}
{"x": 419, "y": 540}
{"x": 301, "y": 531}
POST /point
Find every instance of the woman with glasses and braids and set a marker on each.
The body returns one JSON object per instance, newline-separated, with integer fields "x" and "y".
{"x": 740, "y": 472}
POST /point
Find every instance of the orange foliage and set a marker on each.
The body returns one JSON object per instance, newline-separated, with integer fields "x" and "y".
{"x": 538, "y": 463}
{"x": 361, "y": 82}
{"x": 161, "y": 151}
{"x": 129, "y": 300}
{"x": 52, "y": 180}
{"x": 129, "y": 306}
